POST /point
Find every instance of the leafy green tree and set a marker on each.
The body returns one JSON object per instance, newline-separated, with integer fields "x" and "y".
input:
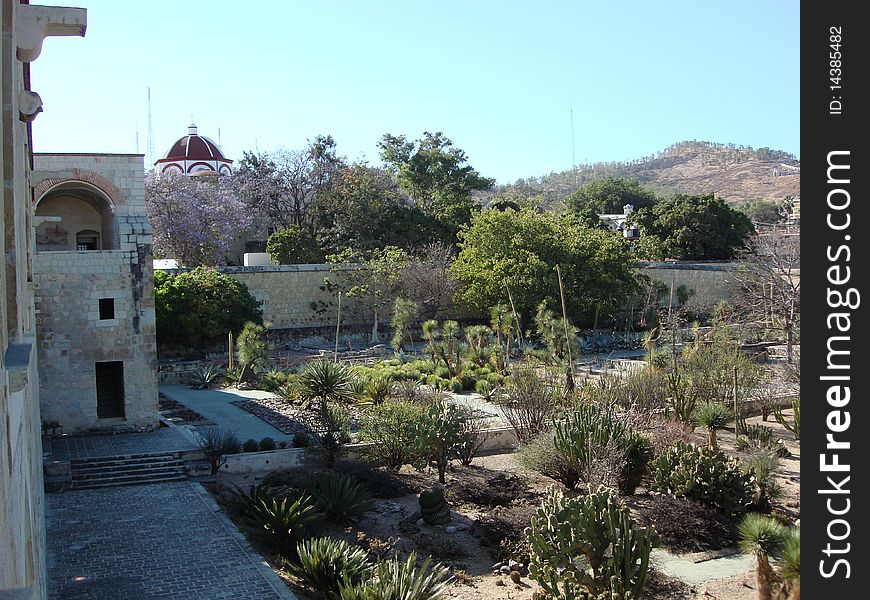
{"x": 436, "y": 176}
{"x": 764, "y": 211}
{"x": 610, "y": 195}
{"x": 695, "y": 227}
{"x": 519, "y": 250}
{"x": 364, "y": 209}
{"x": 293, "y": 245}
{"x": 196, "y": 309}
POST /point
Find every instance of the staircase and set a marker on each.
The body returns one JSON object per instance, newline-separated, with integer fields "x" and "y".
{"x": 134, "y": 469}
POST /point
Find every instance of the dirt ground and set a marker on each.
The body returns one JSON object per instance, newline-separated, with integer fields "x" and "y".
{"x": 494, "y": 491}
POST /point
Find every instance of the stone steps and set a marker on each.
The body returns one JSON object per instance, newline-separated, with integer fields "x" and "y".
{"x": 133, "y": 469}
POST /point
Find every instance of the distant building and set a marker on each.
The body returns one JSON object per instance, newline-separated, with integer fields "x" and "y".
{"x": 194, "y": 154}
{"x": 622, "y": 222}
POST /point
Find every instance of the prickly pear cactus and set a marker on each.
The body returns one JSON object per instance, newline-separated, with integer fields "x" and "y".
{"x": 588, "y": 548}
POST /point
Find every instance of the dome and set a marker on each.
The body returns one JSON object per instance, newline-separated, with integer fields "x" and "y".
{"x": 194, "y": 153}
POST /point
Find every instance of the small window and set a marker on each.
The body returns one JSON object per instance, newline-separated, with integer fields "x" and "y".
{"x": 107, "y": 308}
{"x": 87, "y": 240}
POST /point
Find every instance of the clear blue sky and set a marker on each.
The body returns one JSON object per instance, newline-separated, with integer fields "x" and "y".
{"x": 498, "y": 77}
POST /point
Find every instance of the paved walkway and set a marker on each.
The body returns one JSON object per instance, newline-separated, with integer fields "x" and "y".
{"x": 159, "y": 541}
{"x": 164, "y": 439}
{"x": 215, "y": 406}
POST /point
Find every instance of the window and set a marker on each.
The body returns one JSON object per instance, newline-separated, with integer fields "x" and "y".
{"x": 110, "y": 389}
{"x": 87, "y": 240}
{"x": 107, "y": 308}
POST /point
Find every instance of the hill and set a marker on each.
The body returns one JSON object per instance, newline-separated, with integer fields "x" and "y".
{"x": 734, "y": 173}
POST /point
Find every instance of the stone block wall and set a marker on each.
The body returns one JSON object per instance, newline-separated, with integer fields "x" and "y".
{"x": 72, "y": 337}
{"x": 712, "y": 282}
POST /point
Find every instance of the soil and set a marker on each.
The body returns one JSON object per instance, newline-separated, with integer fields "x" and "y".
{"x": 494, "y": 499}
{"x": 178, "y": 413}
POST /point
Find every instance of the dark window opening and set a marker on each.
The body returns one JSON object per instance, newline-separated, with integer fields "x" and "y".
{"x": 107, "y": 308}
{"x": 87, "y": 240}
{"x": 110, "y": 389}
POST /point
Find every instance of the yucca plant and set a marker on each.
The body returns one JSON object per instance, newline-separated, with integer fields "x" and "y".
{"x": 764, "y": 538}
{"x": 767, "y": 488}
{"x": 243, "y": 503}
{"x": 789, "y": 570}
{"x": 323, "y": 564}
{"x": 203, "y": 377}
{"x": 378, "y": 389}
{"x": 400, "y": 580}
{"x": 325, "y": 381}
{"x": 282, "y": 523}
{"x": 340, "y": 497}
{"x": 713, "y": 416}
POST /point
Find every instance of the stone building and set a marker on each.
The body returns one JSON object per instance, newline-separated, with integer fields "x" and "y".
{"x": 22, "y": 532}
{"x": 92, "y": 271}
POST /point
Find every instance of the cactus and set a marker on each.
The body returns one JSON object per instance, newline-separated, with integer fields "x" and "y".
{"x": 795, "y": 425}
{"x": 589, "y": 548}
{"x": 586, "y": 434}
{"x": 438, "y": 434}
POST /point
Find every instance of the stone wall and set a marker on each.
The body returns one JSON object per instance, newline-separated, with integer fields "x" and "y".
{"x": 712, "y": 282}
{"x": 72, "y": 337}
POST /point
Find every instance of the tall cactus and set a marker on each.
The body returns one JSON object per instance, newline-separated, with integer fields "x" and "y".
{"x": 588, "y": 548}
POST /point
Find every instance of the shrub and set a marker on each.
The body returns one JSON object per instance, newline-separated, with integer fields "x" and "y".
{"x": 454, "y": 385}
{"x": 378, "y": 389}
{"x": 540, "y": 455}
{"x": 471, "y": 437}
{"x": 282, "y": 523}
{"x": 705, "y": 476}
{"x": 639, "y": 453}
{"x": 251, "y": 347}
{"x": 250, "y": 445}
{"x": 197, "y": 308}
{"x": 340, "y": 496}
{"x": 589, "y": 547}
{"x": 390, "y": 428}
{"x": 767, "y": 488}
{"x": 244, "y": 504}
{"x": 330, "y": 430}
{"x": 529, "y": 404}
{"x": 217, "y": 444}
{"x": 400, "y": 580}
{"x": 301, "y": 440}
{"x": 203, "y": 377}
{"x": 293, "y": 245}
{"x": 273, "y": 379}
{"x": 267, "y": 443}
{"x": 487, "y": 390}
{"x": 324, "y": 564}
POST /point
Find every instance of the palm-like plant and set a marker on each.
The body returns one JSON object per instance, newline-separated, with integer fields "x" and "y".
{"x": 501, "y": 320}
{"x": 713, "y": 416}
{"x": 790, "y": 565}
{"x": 431, "y": 334}
{"x": 325, "y": 381}
{"x": 450, "y": 351}
{"x": 340, "y": 497}
{"x": 324, "y": 563}
{"x": 763, "y": 537}
{"x": 282, "y": 523}
{"x": 400, "y": 580}
{"x": 251, "y": 347}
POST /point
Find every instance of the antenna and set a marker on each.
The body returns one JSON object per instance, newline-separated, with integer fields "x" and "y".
{"x": 149, "y": 147}
{"x": 219, "y": 136}
{"x": 573, "y": 160}
{"x": 137, "y": 138}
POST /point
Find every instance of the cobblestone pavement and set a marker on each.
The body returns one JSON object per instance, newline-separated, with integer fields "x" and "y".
{"x": 156, "y": 541}
{"x": 165, "y": 439}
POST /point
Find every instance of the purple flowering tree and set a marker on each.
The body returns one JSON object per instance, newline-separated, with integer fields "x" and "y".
{"x": 194, "y": 219}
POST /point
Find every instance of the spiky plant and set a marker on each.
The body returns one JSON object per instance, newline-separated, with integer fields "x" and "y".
{"x": 713, "y": 416}
{"x": 282, "y": 523}
{"x": 204, "y": 377}
{"x": 325, "y": 381}
{"x": 789, "y": 570}
{"x": 340, "y": 497}
{"x": 767, "y": 488}
{"x": 762, "y": 537}
{"x": 400, "y": 580}
{"x": 323, "y": 564}
{"x": 251, "y": 347}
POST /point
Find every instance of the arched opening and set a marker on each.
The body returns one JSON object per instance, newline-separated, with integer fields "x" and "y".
{"x": 75, "y": 216}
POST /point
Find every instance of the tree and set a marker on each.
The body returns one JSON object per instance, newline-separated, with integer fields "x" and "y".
{"x": 610, "y": 195}
{"x": 694, "y": 228}
{"x": 195, "y": 219}
{"x": 764, "y": 211}
{"x": 519, "y": 250}
{"x": 426, "y": 279}
{"x": 364, "y": 209}
{"x": 770, "y": 285}
{"x": 293, "y": 245}
{"x": 196, "y": 309}
{"x": 281, "y": 185}
{"x": 436, "y": 176}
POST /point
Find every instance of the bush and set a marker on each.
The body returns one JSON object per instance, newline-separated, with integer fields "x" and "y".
{"x": 455, "y": 385}
{"x": 709, "y": 477}
{"x": 324, "y": 565}
{"x": 301, "y": 440}
{"x": 267, "y": 443}
{"x": 639, "y": 453}
{"x": 589, "y": 546}
{"x": 529, "y": 404}
{"x": 293, "y": 246}
{"x": 340, "y": 497}
{"x": 250, "y": 445}
{"x": 471, "y": 437}
{"x": 400, "y": 580}
{"x": 281, "y": 523}
{"x": 767, "y": 488}
{"x": 389, "y": 428}
{"x": 197, "y": 308}
{"x": 330, "y": 430}
{"x": 540, "y": 455}
{"x": 217, "y": 443}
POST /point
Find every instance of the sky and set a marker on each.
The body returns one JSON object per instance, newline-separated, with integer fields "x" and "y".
{"x": 500, "y": 78}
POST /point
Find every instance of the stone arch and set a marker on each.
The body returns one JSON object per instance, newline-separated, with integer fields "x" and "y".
{"x": 81, "y": 175}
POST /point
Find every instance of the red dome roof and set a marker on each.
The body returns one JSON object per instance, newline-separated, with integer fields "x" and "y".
{"x": 194, "y": 147}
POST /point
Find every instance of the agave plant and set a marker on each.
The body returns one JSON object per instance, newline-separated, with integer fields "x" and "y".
{"x": 323, "y": 564}
{"x": 282, "y": 523}
{"x": 713, "y": 416}
{"x": 325, "y": 381}
{"x": 203, "y": 377}
{"x": 340, "y": 497}
{"x": 400, "y": 580}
